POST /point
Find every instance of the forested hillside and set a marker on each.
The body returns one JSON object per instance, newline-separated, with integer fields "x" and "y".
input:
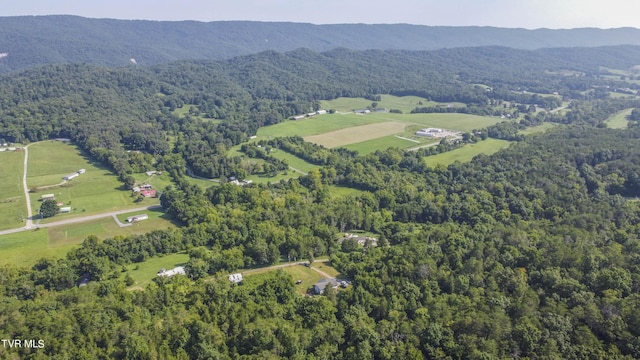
{"x": 528, "y": 253}
{"x": 40, "y": 40}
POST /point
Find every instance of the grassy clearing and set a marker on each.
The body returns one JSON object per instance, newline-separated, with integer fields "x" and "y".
{"x": 619, "y": 120}
{"x": 298, "y": 272}
{"x": 369, "y": 146}
{"x": 467, "y": 152}
{"x": 342, "y": 191}
{"x": 184, "y": 111}
{"x": 403, "y": 103}
{"x": 159, "y": 182}
{"x": 143, "y": 273}
{"x": 357, "y": 134}
{"x": 12, "y": 203}
{"x": 25, "y": 248}
{"x": 538, "y": 129}
{"x": 460, "y": 122}
{"x": 325, "y": 266}
{"x": 316, "y": 125}
{"x": 294, "y": 161}
{"x": 96, "y": 191}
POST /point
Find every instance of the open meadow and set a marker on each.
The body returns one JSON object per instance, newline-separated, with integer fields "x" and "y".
{"x": 12, "y": 202}
{"x": 467, "y": 152}
{"x": 357, "y": 134}
{"x": 619, "y": 120}
{"x": 25, "y": 248}
{"x": 402, "y": 103}
{"x": 538, "y": 129}
{"x": 96, "y": 191}
{"x": 144, "y": 272}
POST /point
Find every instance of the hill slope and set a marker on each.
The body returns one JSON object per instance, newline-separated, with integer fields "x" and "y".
{"x": 28, "y": 41}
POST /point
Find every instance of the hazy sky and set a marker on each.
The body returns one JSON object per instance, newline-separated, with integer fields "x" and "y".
{"x": 529, "y": 14}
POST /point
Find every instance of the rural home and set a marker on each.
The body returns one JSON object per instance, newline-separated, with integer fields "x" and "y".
{"x": 362, "y": 240}
{"x": 82, "y": 171}
{"x": 47, "y": 197}
{"x": 321, "y": 112}
{"x": 65, "y": 209}
{"x": 178, "y": 270}
{"x": 135, "y": 218}
{"x": 235, "y": 278}
{"x": 148, "y": 193}
{"x": 321, "y": 285}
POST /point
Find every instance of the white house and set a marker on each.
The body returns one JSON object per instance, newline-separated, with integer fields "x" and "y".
{"x": 71, "y": 176}
{"x": 424, "y": 132}
{"x": 47, "y": 197}
{"x": 65, "y": 209}
{"x": 235, "y": 278}
{"x": 82, "y": 171}
{"x": 179, "y": 270}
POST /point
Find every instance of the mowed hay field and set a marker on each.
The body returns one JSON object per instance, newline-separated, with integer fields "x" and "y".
{"x": 357, "y": 134}
{"x": 467, "y": 152}
{"x": 25, "y": 248}
{"x": 619, "y": 120}
{"x": 96, "y": 191}
{"x": 12, "y": 203}
{"x": 315, "y": 125}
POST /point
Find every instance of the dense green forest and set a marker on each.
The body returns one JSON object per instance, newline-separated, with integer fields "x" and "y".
{"x": 30, "y": 41}
{"x": 528, "y": 253}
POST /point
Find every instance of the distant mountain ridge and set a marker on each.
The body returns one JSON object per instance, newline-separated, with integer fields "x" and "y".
{"x": 28, "y": 41}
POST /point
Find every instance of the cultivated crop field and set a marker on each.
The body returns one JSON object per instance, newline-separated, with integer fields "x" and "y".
{"x": 357, "y": 134}
{"x": 467, "y": 152}
{"x": 12, "y": 202}
{"x": 98, "y": 190}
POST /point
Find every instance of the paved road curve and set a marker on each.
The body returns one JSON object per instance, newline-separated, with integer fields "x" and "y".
{"x": 81, "y": 219}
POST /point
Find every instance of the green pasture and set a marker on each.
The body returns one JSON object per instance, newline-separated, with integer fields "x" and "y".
{"x": 325, "y": 266}
{"x": 159, "y": 182}
{"x": 450, "y": 121}
{"x": 298, "y": 272}
{"x": 96, "y": 191}
{"x": 26, "y": 247}
{"x": 619, "y": 120}
{"x": 294, "y": 161}
{"x": 315, "y": 125}
{"x": 369, "y": 146}
{"x": 538, "y": 129}
{"x": 467, "y": 152}
{"x": 144, "y": 272}
{"x": 402, "y": 103}
{"x": 342, "y": 191}
{"x": 12, "y": 205}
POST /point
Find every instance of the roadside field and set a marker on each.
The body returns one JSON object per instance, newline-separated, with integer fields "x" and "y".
{"x": 12, "y": 202}
{"x": 369, "y": 146}
{"x": 325, "y": 266}
{"x": 98, "y": 190}
{"x": 538, "y": 129}
{"x": 357, "y": 134}
{"x": 144, "y": 272}
{"x": 315, "y": 125}
{"x": 467, "y": 152}
{"x": 25, "y": 248}
{"x": 619, "y": 120}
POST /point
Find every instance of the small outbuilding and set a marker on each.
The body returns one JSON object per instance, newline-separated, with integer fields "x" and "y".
{"x": 235, "y": 278}
{"x": 132, "y": 219}
{"x": 65, "y": 209}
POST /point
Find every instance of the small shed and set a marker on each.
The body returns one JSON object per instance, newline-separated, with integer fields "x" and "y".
{"x": 235, "y": 278}
{"x": 65, "y": 209}
{"x": 47, "y": 197}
